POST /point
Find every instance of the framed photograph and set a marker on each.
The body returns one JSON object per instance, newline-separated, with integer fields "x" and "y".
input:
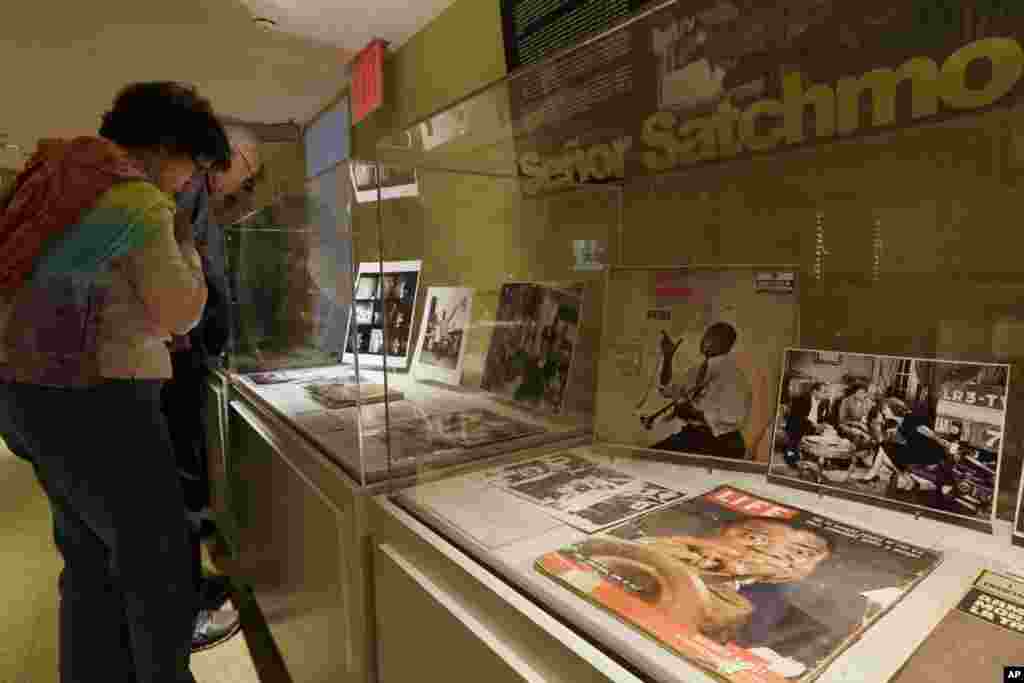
{"x": 396, "y": 182}
{"x": 442, "y": 343}
{"x": 383, "y": 299}
{"x": 531, "y": 352}
{"x": 921, "y": 435}
{"x": 794, "y": 590}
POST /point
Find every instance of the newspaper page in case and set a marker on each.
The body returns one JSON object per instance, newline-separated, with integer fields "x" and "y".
{"x": 748, "y": 588}
{"x": 978, "y": 638}
{"x": 913, "y": 433}
{"x": 580, "y": 492}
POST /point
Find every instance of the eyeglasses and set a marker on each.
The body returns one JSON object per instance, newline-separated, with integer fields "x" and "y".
{"x": 249, "y": 184}
{"x": 203, "y": 164}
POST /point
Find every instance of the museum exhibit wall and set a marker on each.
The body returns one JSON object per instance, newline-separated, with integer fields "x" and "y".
{"x": 904, "y": 241}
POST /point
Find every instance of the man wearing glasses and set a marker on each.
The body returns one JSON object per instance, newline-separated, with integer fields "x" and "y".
{"x": 193, "y": 355}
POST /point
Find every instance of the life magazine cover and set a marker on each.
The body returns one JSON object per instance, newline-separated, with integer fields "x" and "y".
{"x": 976, "y": 639}
{"x": 750, "y": 589}
{"x": 580, "y": 492}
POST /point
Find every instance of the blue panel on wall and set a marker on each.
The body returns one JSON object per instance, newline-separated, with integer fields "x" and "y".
{"x": 327, "y": 139}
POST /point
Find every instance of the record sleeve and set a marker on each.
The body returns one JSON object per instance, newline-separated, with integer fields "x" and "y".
{"x": 536, "y": 334}
{"x": 976, "y": 639}
{"x": 689, "y": 364}
{"x": 750, "y": 589}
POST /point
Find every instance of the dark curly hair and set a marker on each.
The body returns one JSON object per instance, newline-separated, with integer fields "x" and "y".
{"x": 170, "y": 115}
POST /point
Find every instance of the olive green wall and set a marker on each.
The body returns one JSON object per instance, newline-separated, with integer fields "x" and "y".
{"x": 457, "y": 53}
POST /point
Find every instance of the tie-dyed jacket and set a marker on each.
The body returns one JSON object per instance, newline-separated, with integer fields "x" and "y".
{"x": 106, "y": 292}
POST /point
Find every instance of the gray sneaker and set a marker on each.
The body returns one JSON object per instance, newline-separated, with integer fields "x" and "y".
{"x": 215, "y": 627}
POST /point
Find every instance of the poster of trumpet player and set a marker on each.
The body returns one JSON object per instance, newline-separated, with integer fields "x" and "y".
{"x": 441, "y": 347}
{"x": 912, "y": 433}
{"x": 751, "y": 589}
{"x": 536, "y": 332}
{"x": 690, "y": 363}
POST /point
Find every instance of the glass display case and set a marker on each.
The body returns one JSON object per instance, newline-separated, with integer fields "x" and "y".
{"x": 780, "y": 305}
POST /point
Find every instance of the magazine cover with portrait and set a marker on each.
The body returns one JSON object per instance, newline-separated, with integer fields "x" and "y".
{"x": 536, "y": 332}
{"x": 690, "y": 361}
{"x": 913, "y": 433}
{"x": 748, "y": 588}
{"x": 442, "y": 343}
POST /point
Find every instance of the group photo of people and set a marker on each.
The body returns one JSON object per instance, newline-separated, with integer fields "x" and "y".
{"x": 923, "y": 432}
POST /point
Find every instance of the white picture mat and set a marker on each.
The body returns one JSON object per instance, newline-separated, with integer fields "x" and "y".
{"x": 880, "y": 652}
{"x": 368, "y": 360}
{"x": 826, "y": 485}
{"x": 447, "y": 297}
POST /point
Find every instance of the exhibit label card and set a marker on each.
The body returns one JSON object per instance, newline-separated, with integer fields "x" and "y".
{"x": 748, "y": 588}
{"x": 581, "y": 493}
{"x": 443, "y": 333}
{"x": 978, "y": 638}
{"x": 912, "y": 433}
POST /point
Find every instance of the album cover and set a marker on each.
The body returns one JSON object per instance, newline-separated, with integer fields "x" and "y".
{"x": 383, "y": 302}
{"x": 690, "y": 361}
{"x": 479, "y": 427}
{"x": 334, "y": 395}
{"x": 442, "y": 342}
{"x": 915, "y": 433}
{"x": 587, "y": 496}
{"x": 537, "y": 329}
{"x": 748, "y": 588}
{"x": 976, "y": 639}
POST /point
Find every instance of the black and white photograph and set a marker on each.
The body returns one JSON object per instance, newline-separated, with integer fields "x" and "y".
{"x": 442, "y": 347}
{"x": 922, "y": 433}
{"x": 395, "y": 182}
{"x": 479, "y": 427}
{"x": 582, "y": 493}
{"x": 387, "y": 298}
{"x": 535, "y": 337}
{"x": 368, "y": 287}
